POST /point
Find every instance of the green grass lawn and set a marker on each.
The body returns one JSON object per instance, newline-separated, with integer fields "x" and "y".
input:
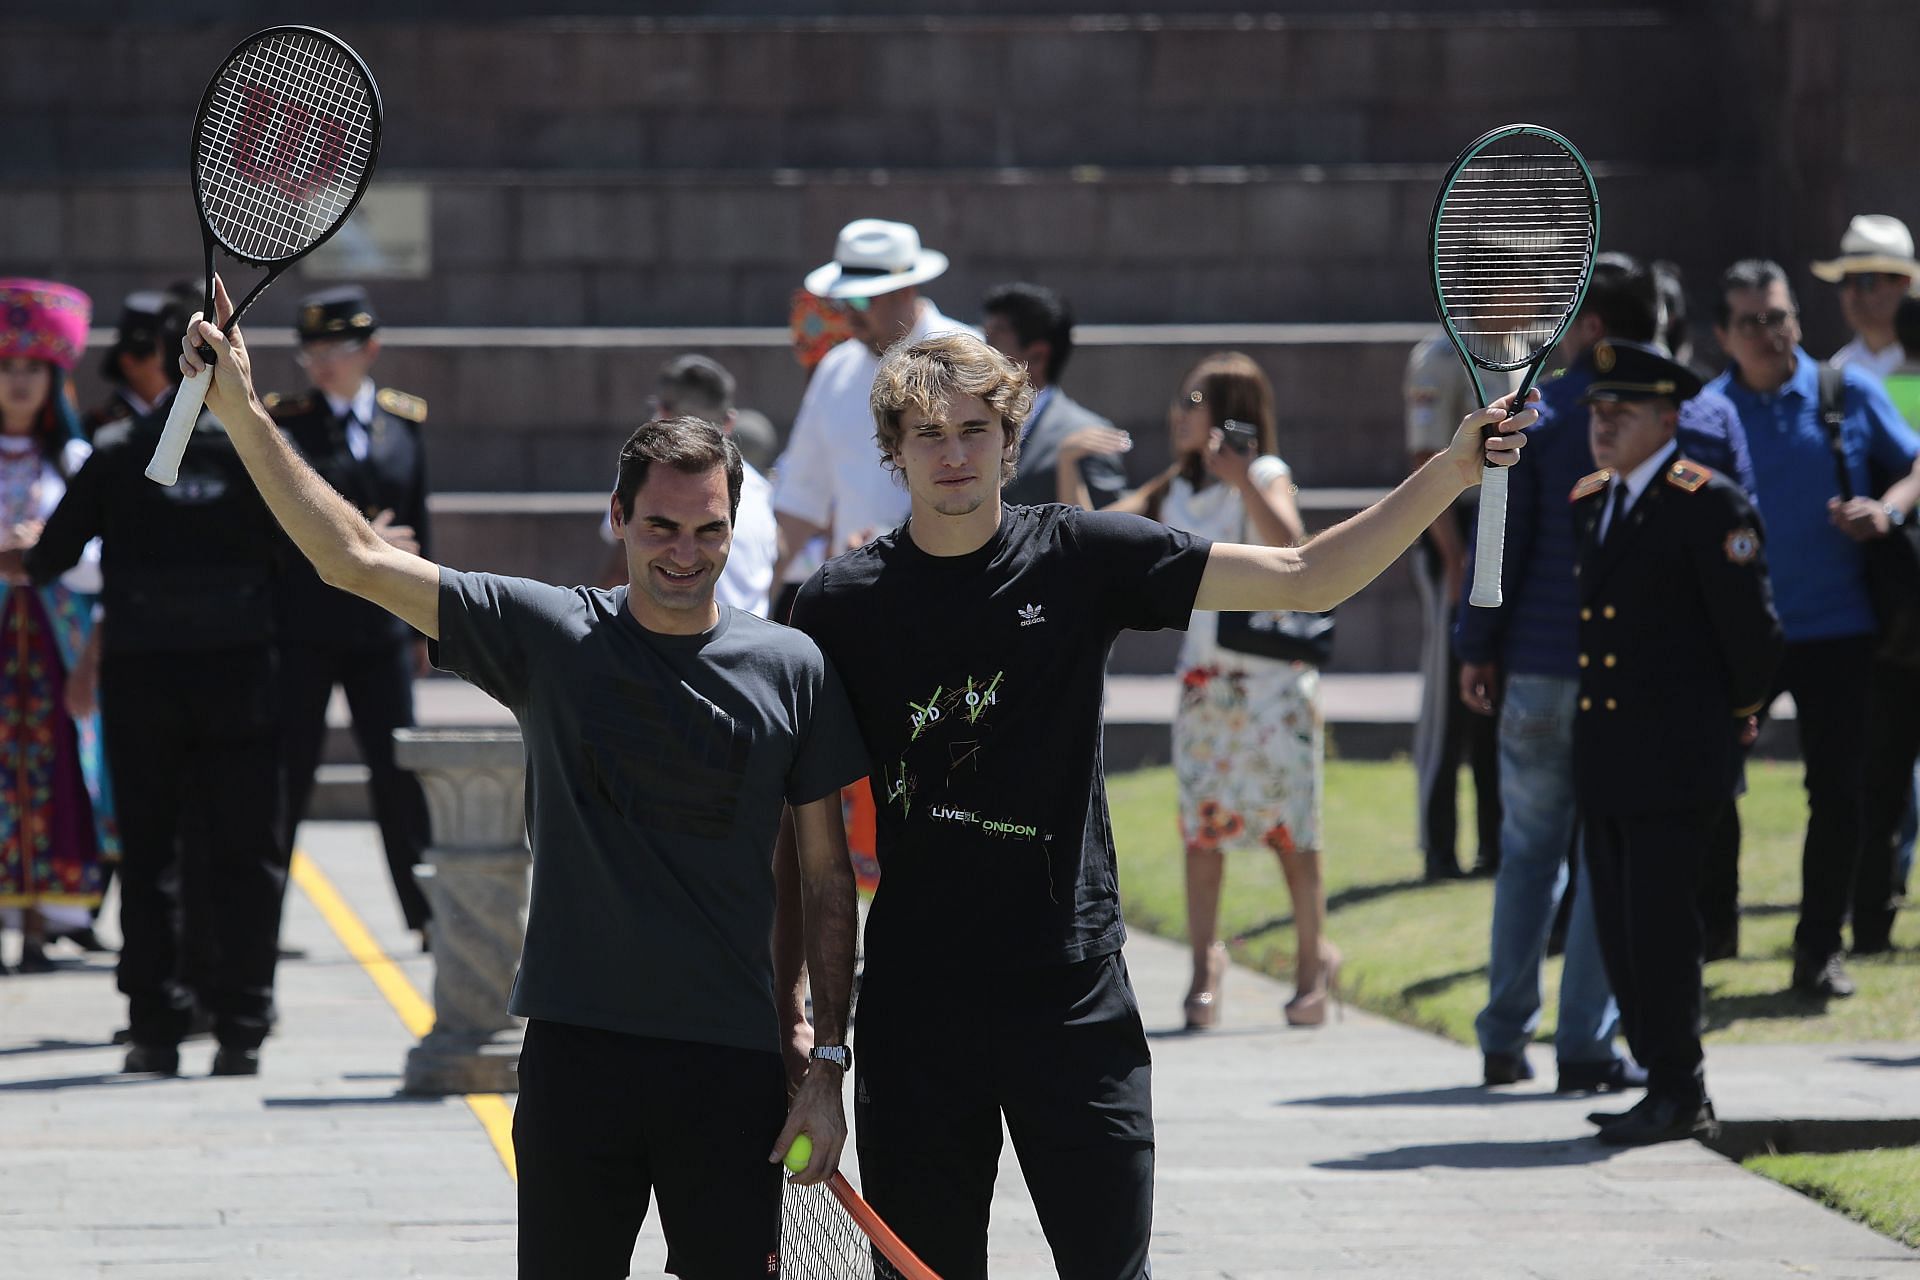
{"x": 1418, "y": 952}
{"x": 1874, "y": 1187}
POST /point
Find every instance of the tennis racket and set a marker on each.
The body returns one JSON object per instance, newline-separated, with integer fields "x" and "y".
{"x": 283, "y": 149}
{"x": 827, "y": 1232}
{"x": 1514, "y": 233}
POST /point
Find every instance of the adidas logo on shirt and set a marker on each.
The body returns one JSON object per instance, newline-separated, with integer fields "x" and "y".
{"x": 1030, "y": 614}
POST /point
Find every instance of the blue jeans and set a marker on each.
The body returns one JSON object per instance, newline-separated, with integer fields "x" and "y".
{"x": 1536, "y": 836}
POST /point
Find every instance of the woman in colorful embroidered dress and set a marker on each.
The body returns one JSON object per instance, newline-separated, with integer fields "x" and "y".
{"x": 1248, "y": 736}
{"x": 55, "y": 823}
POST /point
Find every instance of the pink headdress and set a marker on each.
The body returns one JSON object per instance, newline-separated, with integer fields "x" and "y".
{"x": 43, "y": 320}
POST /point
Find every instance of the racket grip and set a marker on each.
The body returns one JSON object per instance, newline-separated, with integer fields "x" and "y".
{"x": 1490, "y": 540}
{"x": 165, "y": 466}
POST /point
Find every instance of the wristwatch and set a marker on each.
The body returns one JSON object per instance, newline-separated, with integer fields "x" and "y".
{"x": 1896, "y": 516}
{"x": 837, "y": 1054}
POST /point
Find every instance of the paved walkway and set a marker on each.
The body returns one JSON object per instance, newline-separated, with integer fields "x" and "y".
{"x": 1361, "y": 1150}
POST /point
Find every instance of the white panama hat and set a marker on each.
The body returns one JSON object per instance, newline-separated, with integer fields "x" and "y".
{"x": 872, "y": 257}
{"x": 1873, "y": 242}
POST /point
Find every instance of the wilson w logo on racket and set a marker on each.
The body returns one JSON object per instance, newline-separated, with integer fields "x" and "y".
{"x": 283, "y": 148}
{"x": 827, "y": 1232}
{"x": 1514, "y": 233}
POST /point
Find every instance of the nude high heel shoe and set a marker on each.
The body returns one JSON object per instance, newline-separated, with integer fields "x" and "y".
{"x": 1308, "y": 1008}
{"x": 1203, "y": 1006}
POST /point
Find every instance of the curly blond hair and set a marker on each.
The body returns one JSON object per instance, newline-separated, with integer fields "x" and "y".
{"x": 924, "y": 374}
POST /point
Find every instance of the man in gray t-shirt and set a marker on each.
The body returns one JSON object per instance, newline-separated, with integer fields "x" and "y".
{"x": 664, "y": 733}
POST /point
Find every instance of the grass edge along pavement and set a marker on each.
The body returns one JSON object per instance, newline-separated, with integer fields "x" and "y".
{"x": 1416, "y": 952}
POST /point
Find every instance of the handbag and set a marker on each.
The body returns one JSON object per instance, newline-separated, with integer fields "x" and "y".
{"x": 1893, "y": 562}
{"x": 1288, "y": 635}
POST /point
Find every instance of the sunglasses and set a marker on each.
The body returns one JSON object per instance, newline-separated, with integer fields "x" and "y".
{"x": 856, "y": 304}
{"x": 1764, "y": 321}
{"x": 1862, "y": 281}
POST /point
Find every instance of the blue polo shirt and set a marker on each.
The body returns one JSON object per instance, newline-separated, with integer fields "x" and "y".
{"x": 1819, "y": 574}
{"x": 1536, "y": 631}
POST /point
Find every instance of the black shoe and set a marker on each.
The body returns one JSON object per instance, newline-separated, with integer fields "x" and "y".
{"x": 1605, "y": 1119}
{"x": 1720, "y": 944}
{"x": 1611, "y": 1076}
{"x": 1662, "y": 1119}
{"x": 1506, "y": 1068}
{"x": 153, "y": 1060}
{"x": 199, "y": 1027}
{"x": 230, "y": 1060}
{"x": 1823, "y": 977}
{"x": 1438, "y": 871}
{"x": 1485, "y": 868}
{"x": 33, "y": 959}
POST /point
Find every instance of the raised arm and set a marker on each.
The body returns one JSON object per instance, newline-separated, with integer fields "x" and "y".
{"x": 1339, "y": 562}
{"x": 343, "y": 547}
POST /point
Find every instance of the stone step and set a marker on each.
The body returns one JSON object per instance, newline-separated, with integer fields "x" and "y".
{"x": 1301, "y": 244}
{"x": 991, "y": 85}
{"x": 1369, "y": 716}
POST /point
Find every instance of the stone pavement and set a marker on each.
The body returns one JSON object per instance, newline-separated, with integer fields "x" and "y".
{"x": 1359, "y": 1150}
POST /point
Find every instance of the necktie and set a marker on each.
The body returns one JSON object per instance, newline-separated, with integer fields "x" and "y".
{"x": 1619, "y": 513}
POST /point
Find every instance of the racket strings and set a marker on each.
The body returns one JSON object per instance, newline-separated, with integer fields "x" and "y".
{"x": 1513, "y": 243}
{"x": 820, "y": 1241}
{"x": 285, "y": 145}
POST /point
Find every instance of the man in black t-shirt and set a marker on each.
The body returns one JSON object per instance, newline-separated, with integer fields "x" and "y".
{"x": 664, "y": 732}
{"x": 974, "y": 640}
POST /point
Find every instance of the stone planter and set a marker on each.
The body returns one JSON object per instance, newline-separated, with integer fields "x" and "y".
{"x": 475, "y": 879}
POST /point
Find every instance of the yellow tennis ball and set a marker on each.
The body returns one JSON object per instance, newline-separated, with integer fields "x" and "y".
{"x": 799, "y": 1153}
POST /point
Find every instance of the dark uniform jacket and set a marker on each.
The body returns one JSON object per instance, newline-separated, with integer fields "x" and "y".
{"x": 188, "y": 568}
{"x": 1034, "y": 479}
{"x": 1678, "y": 642}
{"x": 392, "y": 477}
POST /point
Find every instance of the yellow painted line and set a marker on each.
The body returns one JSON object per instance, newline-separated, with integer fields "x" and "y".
{"x": 415, "y": 1014}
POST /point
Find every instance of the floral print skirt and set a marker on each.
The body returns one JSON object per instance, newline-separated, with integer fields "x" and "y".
{"x": 1248, "y": 746}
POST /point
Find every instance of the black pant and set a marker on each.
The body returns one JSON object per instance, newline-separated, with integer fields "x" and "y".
{"x": 1461, "y": 734}
{"x": 604, "y": 1119}
{"x": 193, "y": 747}
{"x": 379, "y": 688}
{"x": 1832, "y": 685}
{"x": 1720, "y": 873}
{"x": 1645, "y": 872}
{"x": 1061, "y": 1053}
{"x": 1893, "y": 743}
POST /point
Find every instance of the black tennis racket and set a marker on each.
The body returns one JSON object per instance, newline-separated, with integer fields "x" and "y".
{"x": 1514, "y": 234}
{"x": 283, "y": 149}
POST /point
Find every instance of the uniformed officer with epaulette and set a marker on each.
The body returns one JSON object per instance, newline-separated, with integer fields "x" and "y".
{"x": 188, "y": 702}
{"x": 1678, "y": 644}
{"x": 365, "y": 441}
{"x": 134, "y": 365}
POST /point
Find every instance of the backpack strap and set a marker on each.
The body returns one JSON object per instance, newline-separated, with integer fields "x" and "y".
{"x": 1833, "y": 414}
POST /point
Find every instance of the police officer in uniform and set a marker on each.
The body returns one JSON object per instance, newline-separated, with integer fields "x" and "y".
{"x": 1678, "y": 644}
{"x": 365, "y": 441}
{"x": 134, "y": 365}
{"x": 188, "y": 700}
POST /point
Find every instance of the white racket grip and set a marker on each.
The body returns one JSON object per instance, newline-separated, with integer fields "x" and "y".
{"x": 165, "y": 467}
{"x": 1490, "y": 542}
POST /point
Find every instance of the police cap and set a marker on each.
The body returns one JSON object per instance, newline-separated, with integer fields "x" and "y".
{"x": 343, "y": 312}
{"x": 1624, "y": 370}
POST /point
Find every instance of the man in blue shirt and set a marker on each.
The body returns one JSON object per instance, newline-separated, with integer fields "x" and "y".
{"x": 1815, "y": 538}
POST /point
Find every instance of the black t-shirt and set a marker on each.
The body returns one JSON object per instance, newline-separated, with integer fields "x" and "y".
{"x": 978, "y": 683}
{"x": 657, "y": 766}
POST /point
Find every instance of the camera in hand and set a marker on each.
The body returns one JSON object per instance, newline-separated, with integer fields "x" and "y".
{"x": 1241, "y": 437}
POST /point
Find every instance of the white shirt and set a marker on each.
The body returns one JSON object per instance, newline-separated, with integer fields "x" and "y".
{"x": 1635, "y": 482}
{"x": 44, "y": 495}
{"x": 747, "y": 581}
{"x": 1217, "y": 514}
{"x": 1881, "y": 364}
{"x": 831, "y": 474}
{"x": 358, "y": 412}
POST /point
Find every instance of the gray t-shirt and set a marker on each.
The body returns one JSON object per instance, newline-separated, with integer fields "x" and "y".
{"x": 656, "y": 769}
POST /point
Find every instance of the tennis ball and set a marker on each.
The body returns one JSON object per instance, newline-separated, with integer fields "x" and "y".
{"x": 799, "y": 1153}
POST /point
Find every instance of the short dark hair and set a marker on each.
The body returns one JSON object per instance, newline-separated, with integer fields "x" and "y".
{"x": 1623, "y": 295}
{"x": 1749, "y": 273}
{"x": 692, "y": 446}
{"x": 699, "y": 380}
{"x": 1673, "y": 306}
{"x": 1037, "y": 314}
